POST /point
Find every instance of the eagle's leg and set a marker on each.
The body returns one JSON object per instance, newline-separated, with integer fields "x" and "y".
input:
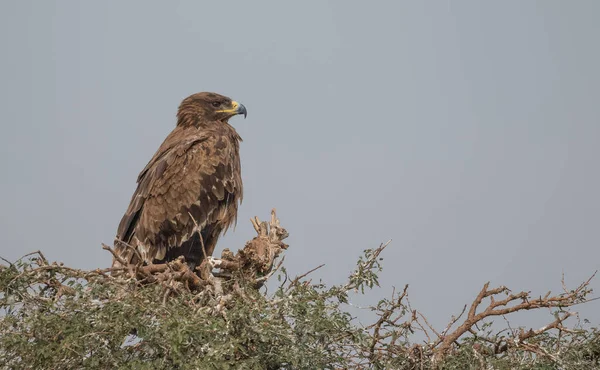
{"x": 192, "y": 250}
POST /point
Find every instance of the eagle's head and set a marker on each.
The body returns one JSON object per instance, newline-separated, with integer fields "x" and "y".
{"x": 207, "y": 107}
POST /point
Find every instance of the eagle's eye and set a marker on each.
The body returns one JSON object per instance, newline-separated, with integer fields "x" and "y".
{"x": 215, "y": 104}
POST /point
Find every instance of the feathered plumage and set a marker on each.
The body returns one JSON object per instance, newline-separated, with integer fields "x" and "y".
{"x": 188, "y": 193}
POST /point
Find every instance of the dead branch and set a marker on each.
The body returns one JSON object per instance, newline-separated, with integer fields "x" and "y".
{"x": 385, "y": 318}
{"x": 388, "y": 329}
{"x": 512, "y": 303}
{"x": 115, "y": 255}
{"x": 297, "y": 279}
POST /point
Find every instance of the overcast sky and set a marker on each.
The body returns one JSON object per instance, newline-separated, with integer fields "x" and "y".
{"x": 468, "y": 132}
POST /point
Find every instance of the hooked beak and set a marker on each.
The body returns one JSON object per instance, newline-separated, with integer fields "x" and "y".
{"x": 236, "y": 108}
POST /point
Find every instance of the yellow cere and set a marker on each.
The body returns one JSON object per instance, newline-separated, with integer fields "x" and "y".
{"x": 234, "y": 104}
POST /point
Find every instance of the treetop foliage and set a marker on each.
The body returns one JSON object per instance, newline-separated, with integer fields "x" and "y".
{"x": 57, "y": 317}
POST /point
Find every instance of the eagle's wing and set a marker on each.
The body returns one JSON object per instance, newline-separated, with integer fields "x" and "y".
{"x": 187, "y": 185}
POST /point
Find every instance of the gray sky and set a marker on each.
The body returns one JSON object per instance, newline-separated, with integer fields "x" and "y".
{"x": 467, "y": 132}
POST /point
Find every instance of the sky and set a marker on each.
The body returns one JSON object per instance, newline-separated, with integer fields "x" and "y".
{"x": 465, "y": 131}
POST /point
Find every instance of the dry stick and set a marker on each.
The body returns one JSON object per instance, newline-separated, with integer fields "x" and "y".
{"x": 256, "y": 224}
{"x": 77, "y": 272}
{"x": 309, "y": 272}
{"x": 454, "y": 320}
{"x": 130, "y": 267}
{"x": 178, "y": 267}
{"x": 297, "y": 278}
{"x": 396, "y": 303}
{"x": 440, "y": 337}
{"x": 38, "y": 252}
{"x": 416, "y": 320}
{"x": 116, "y": 256}
{"x": 135, "y": 251}
{"x": 7, "y": 261}
{"x": 556, "y": 324}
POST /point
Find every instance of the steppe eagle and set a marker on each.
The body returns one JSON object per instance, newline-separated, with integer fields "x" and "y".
{"x": 188, "y": 194}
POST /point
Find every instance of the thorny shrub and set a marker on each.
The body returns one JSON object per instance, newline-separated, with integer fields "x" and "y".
{"x": 55, "y": 317}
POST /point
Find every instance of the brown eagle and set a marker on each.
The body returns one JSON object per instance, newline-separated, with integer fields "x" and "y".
{"x": 188, "y": 193}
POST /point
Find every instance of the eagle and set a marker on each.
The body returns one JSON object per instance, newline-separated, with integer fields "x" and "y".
{"x": 188, "y": 194}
